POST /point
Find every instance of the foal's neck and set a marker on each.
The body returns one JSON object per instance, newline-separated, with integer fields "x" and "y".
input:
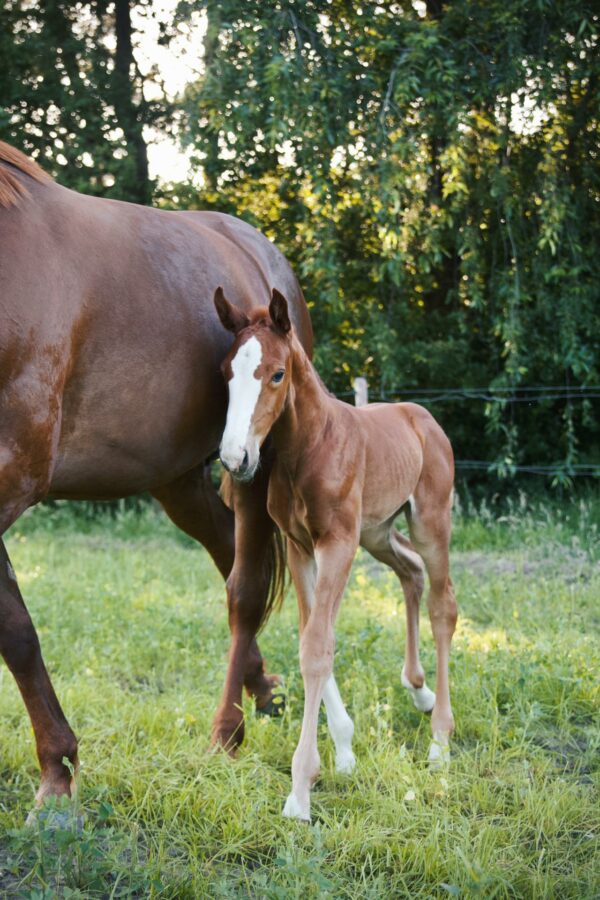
{"x": 306, "y": 410}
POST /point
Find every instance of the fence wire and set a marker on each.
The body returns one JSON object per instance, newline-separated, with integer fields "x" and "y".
{"x": 532, "y": 394}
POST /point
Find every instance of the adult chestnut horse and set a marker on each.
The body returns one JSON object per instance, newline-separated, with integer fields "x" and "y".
{"x": 339, "y": 479}
{"x": 110, "y": 385}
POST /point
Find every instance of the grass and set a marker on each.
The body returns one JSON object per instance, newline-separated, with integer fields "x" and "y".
{"x": 132, "y": 623}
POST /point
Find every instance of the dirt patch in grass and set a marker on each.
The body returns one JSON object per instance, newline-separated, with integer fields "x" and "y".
{"x": 569, "y": 564}
{"x": 571, "y": 755}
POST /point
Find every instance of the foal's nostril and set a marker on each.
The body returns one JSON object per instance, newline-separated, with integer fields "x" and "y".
{"x": 245, "y": 460}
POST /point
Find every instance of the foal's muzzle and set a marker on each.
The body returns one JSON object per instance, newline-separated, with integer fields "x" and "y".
{"x": 243, "y": 472}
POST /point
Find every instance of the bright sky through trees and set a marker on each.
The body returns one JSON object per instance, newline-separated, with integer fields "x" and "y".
{"x": 177, "y": 64}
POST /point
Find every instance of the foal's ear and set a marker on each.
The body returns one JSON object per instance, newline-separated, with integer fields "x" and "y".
{"x": 232, "y": 318}
{"x": 278, "y": 310}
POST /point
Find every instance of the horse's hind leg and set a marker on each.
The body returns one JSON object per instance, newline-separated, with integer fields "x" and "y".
{"x": 194, "y": 505}
{"x": 392, "y": 548}
{"x": 429, "y": 524}
{"x": 20, "y": 648}
{"x": 28, "y": 458}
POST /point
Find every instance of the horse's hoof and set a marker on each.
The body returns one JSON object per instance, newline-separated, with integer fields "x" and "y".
{"x": 274, "y": 708}
{"x": 225, "y": 742}
{"x": 56, "y": 820}
{"x": 227, "y": 735}
{"x": 294, "y": 810}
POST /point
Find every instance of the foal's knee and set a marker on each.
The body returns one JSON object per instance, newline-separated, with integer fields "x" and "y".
{"x": 413, "y": 583}
{"x": 316, "y": 653}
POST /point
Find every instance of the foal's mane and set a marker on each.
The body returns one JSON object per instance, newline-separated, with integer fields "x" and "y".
{"x": 12, "y": 188}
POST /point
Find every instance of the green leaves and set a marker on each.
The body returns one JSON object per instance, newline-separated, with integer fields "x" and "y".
{"x": 432, "y": 176}
{"x": 62, "y": 98}
{"x": 439, "y": 202}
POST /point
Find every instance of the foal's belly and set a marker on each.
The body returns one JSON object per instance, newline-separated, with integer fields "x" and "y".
{"x": 394, "y": 464}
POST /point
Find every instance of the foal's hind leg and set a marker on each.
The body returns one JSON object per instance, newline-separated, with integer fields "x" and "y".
{"x": 20, "y": 648}
{"x": 429, "y": 524}
{"x": 392, "y": 548}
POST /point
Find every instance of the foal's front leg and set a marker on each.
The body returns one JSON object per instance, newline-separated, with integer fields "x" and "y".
{"x": 303, "y": 567}
{"x": 317, "y": 643}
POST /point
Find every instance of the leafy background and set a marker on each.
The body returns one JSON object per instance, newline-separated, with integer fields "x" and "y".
{"x": 430, "y": 169}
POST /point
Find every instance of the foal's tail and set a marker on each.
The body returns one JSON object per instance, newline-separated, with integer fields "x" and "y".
{"x": 275, "y": 571}
{"x": 275, "y": 560}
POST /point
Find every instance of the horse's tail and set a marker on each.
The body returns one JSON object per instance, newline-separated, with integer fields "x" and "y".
{"x": 275, "y": 560}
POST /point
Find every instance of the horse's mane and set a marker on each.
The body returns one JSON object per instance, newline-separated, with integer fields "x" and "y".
{"x": 12, "y": 188}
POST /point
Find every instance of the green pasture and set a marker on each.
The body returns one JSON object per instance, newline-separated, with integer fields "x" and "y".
{"x": 132, "y": 621}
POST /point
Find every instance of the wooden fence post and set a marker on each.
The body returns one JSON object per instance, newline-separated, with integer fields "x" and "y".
{"x": 361, "y": 391}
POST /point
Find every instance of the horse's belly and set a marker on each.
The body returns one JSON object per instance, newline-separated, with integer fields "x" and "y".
{"x": 127, "y": 448}
{"x": 113, "y": 473}
{"x": 112, "y": 470}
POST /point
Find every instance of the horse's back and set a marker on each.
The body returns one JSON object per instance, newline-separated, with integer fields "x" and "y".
{"x": 113, "y": 304}
{"x": 258, "y": 265}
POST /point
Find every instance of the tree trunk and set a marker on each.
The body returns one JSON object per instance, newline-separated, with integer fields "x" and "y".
{"x": 446, "y": 275}
{"x": 139, "y": 188}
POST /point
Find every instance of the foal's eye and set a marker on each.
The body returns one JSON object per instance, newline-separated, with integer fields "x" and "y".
{"x": 278, "y": 376}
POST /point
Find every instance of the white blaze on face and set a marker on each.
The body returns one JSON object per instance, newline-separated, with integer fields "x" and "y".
{"x": 244, "y": 391}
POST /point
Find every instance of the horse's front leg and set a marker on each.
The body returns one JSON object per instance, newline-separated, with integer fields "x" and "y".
{"x": 194, "y": 505}
{"x": 333, "y": 558}
{"x": 19, "y": 645}
{"x": 253, "y": 572}
{"x": 24, "y": 479}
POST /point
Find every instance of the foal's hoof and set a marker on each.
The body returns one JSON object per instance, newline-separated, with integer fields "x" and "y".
{"x": 422, "y": 697}
{"x": 345, "y": 762}
{"x": 293, "y": 809}
{"x": 439, "y": 751}
{"x": 274, "y": 708}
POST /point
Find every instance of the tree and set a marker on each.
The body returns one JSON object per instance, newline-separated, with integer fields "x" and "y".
{"x": 72, "y": 95}
{"x": 432, "y": 170}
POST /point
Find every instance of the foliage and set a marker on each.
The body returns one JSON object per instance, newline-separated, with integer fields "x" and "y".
{"x": 136, "y": 647}
{"x": 72, "y": 95}
{"x": 432, "y": 171}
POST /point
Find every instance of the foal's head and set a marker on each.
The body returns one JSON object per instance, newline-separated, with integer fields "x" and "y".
{"x": 257, "y": 372}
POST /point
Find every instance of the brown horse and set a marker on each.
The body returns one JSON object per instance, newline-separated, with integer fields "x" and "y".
{"x": 340, "y": 477}
{"x": 110, "y": 385}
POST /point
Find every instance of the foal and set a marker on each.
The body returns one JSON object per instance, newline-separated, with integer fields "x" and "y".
{"x": 340, "y": 478}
